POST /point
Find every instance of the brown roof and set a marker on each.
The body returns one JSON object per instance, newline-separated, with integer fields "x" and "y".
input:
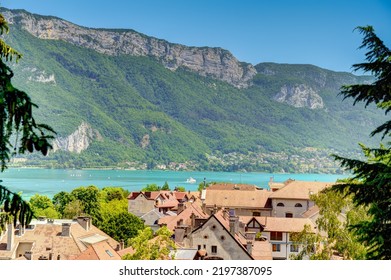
{"x": 231, "y": 186}
{"x": 99, "y": 251}
{"x": 185, "y": 216}
{"x": 282, "y": 224}
{"x": 237, "y": 199}
{"x": 46, "y": 238}
{"x": 300, "y": 189}
{"x": 311, "y": 212}
{"x": 125, "y": 251}
{"x": 262, "y": 250}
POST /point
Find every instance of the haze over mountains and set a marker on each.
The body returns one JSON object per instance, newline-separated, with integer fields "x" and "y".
{"x": 119, "y": 98}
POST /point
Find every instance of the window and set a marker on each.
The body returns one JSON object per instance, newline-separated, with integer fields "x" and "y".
{"x": 288, "y": 215}
{"x": 214, "y": 249}
{"x": 280, "y": 204}
{"x": 276, "y": 247}
{"x": 294, "y": 248}
{"x": 109, "y": 253}
{"x": 256, "y": 214}
{"x": 298, "y": 205}
{"x": 199, "y": 247}
{"x": 276, "y": 235}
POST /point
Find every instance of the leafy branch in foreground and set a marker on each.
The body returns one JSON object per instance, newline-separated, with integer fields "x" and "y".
{"x": 15, "y": 207}
{"x": 16, "y": 123}
{"x": 371, "y": 182}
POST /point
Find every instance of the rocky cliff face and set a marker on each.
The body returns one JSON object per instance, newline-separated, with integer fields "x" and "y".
{"x": 300, "y": 96}
{"x": 215, "y": 62}
{"x": 79, "y": 140}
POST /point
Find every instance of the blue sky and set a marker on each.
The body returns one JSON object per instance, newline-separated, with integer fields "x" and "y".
{"x": 318, "y": 32}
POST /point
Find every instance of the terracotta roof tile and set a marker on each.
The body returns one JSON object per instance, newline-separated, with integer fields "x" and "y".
{"x": 300, "y": 189}
{"x": 237, "y": 199}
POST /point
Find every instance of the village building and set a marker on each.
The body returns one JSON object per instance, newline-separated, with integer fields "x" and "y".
{"x": 48, "y": 239}
{"x": 246, "y": 201}
{"x": 293, "y": 199}
{"x": 140, "y": 203}
{"x": 219, "y": 238}
{"x": 277, "y": 230}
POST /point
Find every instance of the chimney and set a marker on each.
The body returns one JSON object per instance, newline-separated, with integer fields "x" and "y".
{"x": 85, "y": 222}
{"x": 122, "y": 244}
{"x": 233, "y": 224}
{"x": 21, "y": 230}
{"x": 179, "y": 233}
{"x": 66, "y": 229}
{"x": 181, "y": 207}
{"x": 10, "y": 237}
{"x": 249, "y": 246}
{"x": 28, "y": 255}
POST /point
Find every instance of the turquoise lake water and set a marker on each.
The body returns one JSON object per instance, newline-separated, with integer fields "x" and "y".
{"x": 51, "y": 181}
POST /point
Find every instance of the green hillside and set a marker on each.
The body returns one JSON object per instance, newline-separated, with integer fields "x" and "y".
{"x": 148, "y": 115}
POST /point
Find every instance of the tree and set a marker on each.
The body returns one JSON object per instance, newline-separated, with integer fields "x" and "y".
{"x": 150, "y": 246}
{"x": 336, "y": 213}
{"x": 73, "y": 209}
{"x": 60, "y": 201}
{"x": 370, "y": 185}
{"x": 151, "y": 188}
{"x": 165, "y": 187}
{"x": 89, "y": 199}
{"x": 43, "y": 206}
{"x": 19, "y": 131}
{"x": 122, "y": 225}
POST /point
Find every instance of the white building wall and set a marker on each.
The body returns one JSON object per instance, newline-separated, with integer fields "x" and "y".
{"x": 290, "y": 207}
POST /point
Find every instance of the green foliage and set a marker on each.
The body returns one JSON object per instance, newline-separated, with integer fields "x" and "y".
{"x": 151, "y": 188}
{"x": 370, "y": 185}
{"x": 150, "y": 246}
{"x": 113, "y": 193}
{"x": 108, "y": 209}
{"x": 180, "y": 189}
{"x": 165, "y": 187}
{"x": 14, "y": 207}
{"x": 43, "y": 206}
{"x": 122, "y": 225}
{"x": 61, "y": 200}
{"x": 312, "y": 246}
{"x": 89, "y": 199}
{"x": 73, "y": 209}
{"x": 337, "y": 214}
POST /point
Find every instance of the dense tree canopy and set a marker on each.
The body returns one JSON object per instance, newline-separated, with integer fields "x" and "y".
{"x": 371, "y": 182}
{"x": 148, "y": 245}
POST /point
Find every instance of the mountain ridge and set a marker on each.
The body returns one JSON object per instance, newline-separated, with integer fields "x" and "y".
{"x": 147, "y": 115}
{"x": 217, "y": 62}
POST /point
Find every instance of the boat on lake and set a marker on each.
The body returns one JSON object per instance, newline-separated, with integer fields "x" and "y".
{"x": 191, "y": 180}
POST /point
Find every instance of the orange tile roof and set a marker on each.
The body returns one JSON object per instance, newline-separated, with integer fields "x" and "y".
{"x": 300, "y": 189}
{"x": 185, "y": 216}
{"x": 282, "y": 224}
{"x": 232, "y": 186}
{"x": 46, "y": 238}
{"x": 237, "y": 199}
{"x": 262, "y": 250}
{"x": 99, "y": 251}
